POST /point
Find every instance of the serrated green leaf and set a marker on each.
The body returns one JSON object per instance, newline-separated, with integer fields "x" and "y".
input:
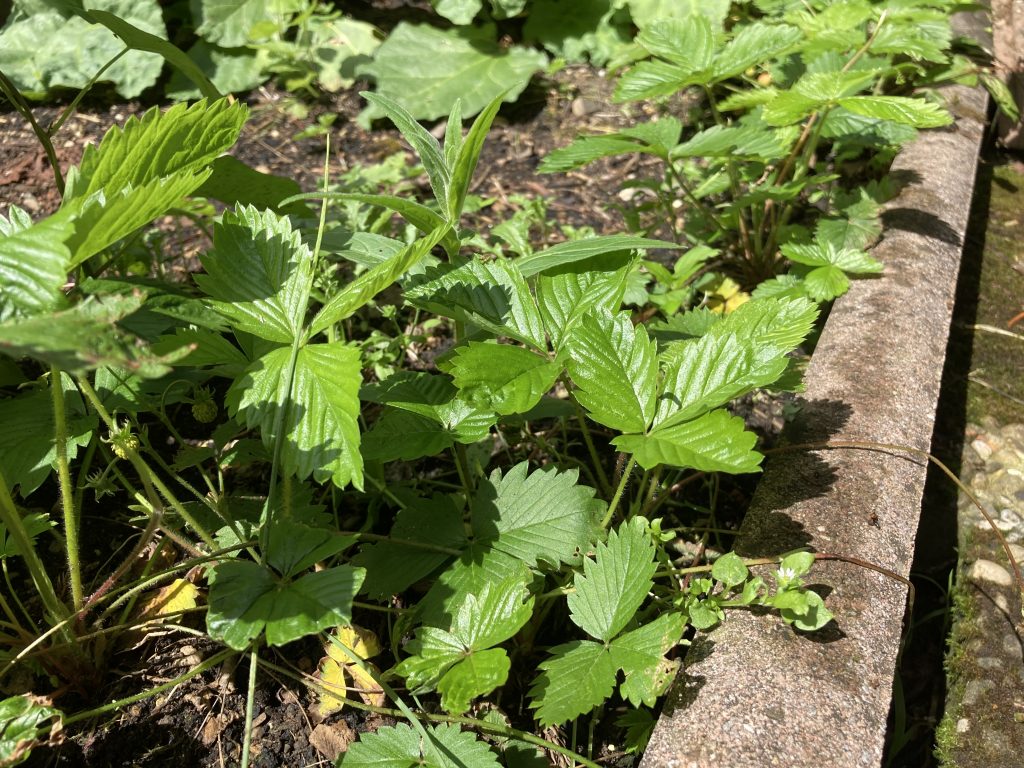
{"x": 900, "y": 109}
{"x": 34, "y": 265}
{"x": 820, "y": 254}
{"x": 576, "y": 678}
{"x": 502, "y": 378}
{"x": 651, "y": 80}
{"x": 714, "y": 442}
{"x": 258, "y": 274}
{"x": 754, "y": 44}
{"x": 647, "y": 12}
{"x": 103, "y": 220}
{"x": 540, "y": 516}
{"x": 567, "y": 295}
{"x": 578, "y": 32}
{"x": 735, "y": 140}
{"x": 320, "y": 431}
{"x": 404, "y": 435}
{"x": 27, "y": 446}
{"x": 615, "y": 583}
{"x": 586, "y": 150}
{"x": 460, "y": 661}
{"x": 689, "y": 43}
{"x": 1002, "y": 96}
{"x": 247, "y": 599}
{"x": 293, "y": 547}
{"x": 615, "y": 369}
{"x": 467, "y": 156}
{"x": 478, "y": 566}
{"x": 358, "y": 292}
{"x": 573, "y": 251}
{"x": 436, "y": 398}
{"x": 184, "y": 139}
{"x": 85, "y": 337}
{"x": 640, "y": 654}
{"x": 401, "y": 746}
{"x": 34, "y": 523}
{"x": 427, "y": 147}
{"x": 788, "y": 107}
{"x": 466, "y": 64}
{"x": 493, "y": 295}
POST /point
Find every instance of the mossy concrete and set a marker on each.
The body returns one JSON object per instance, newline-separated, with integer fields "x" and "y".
{"x": 754, "y": 693}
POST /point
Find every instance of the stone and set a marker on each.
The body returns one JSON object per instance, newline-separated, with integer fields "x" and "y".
{"x": 975, "y": 689}
{"x": 993, "y": 573}
{"x": 983, "y": 449}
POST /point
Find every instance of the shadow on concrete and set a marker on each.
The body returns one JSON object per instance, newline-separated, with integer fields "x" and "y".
{"x": 920, "y": 223}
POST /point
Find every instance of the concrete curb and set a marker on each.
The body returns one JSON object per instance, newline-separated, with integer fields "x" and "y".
{"x": 754, "y": 693}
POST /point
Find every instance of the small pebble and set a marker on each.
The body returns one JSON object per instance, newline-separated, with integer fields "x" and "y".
{"x": 975, "y": 689}
{"x": 983, "y": 449}
{"x": 963, "y": 725}
{"x": 986, "y": 570}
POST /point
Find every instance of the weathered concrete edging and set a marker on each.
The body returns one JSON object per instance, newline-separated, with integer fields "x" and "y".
{"x": 754, "y": 693}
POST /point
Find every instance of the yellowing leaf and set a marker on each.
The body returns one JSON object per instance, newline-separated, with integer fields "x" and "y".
{"x": 726, "y": 297}
{"x": 334, "y": 682}
{"x": 362, "y": 642}
{"x": 178, "y": 596}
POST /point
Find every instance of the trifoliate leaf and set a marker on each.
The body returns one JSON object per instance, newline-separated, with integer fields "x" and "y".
{"x": 651, "y": 80}
{"x": 247, "y": 598}
{"x": 460, "y": 661}
{"x": 493, "y": 295}
{"x": 587, "y": 149}
{"x": 614, "y": 584}
{"x": 502, "y": 378}
{"x": 614, "y": 367}
{"x": 714, "y": 442}
{"x": 576, "y": 678}
{"x": 756, "y": 141}
{"x": 478, "y": 566}
{"x": 320, "y": 430}
{"x": 402, "y": 746}
{"x": 541, "y": 516}
{"x": 258, "y": 274}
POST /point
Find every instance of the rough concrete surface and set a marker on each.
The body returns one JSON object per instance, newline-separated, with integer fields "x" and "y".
{"x": 754, "y": 693}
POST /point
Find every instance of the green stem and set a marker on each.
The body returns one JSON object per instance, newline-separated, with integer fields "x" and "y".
{"x": 462, "y": 465}
{"x": 606, "y": 486}
{"x": 16, "y": 530}
{"x": 114, "y": 706}
{"x": 66, "y": 487}
{"x": 614, "y": 503}
{"x": 149, "y": 478}
{"x": 250, "y": 705}
{"x": 14, "y": 96}
{"x": 70, "y": 108}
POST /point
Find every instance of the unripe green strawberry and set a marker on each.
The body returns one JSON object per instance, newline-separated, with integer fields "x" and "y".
{"x": 124, "y": 442}
{"x": 204, "y": 409}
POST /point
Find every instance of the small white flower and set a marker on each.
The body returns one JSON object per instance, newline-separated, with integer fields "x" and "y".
{"x": 785, "y": 574}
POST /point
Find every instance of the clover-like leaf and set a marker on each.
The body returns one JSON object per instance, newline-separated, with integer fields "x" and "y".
{"x": 247, "y": 599}
{"x": 402, "y": 746}
{"x": 578, "y": 676}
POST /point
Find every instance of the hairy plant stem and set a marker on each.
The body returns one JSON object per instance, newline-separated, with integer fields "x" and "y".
{"x": 150, "y": 480}
{"x": 11, "y": 519}
{"x": 614, "y": 503}
{"x": 18, "y": 101}
{"x": 250, "y": 704}
{"x": 595, "y": 458}
{"x": 66, "y": 487}
{"x": 113, "y": 706}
